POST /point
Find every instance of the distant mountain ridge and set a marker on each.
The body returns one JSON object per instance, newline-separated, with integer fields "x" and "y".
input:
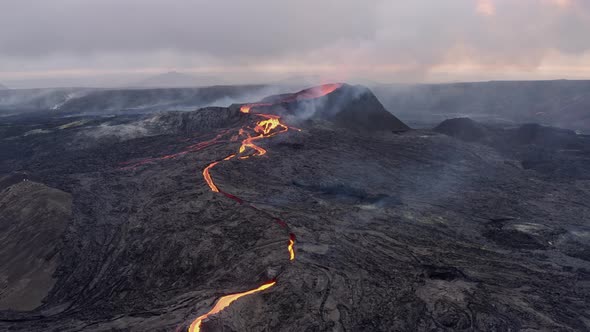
{"x": 106, "y": 101}
{"x": 560, "y": 103}
{"x": 175, "y": 79}
{"x": 3, "y": 87}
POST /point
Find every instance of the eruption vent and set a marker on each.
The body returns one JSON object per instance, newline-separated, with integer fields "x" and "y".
{"x": 307, "y": 94}
{"x": 346, "y": 106}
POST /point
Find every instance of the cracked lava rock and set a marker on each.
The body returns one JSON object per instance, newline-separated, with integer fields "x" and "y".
{"x": 393, "y": 229}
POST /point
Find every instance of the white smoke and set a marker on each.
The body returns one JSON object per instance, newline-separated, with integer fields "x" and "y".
{"x": 120, "y": 132}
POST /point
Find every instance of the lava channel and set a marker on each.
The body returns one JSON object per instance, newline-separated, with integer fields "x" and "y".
{"x": 269, "y": 126}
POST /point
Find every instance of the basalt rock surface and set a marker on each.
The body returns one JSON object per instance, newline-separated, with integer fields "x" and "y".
{"x": 395, "y": 231}
{"x": 33, "y": 218}
{"x": 464, "y": 129}
{"x": 559, "y": 154}
{"x": 204, "y": 119}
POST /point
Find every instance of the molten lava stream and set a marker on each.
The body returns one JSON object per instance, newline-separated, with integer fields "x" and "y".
{"x": 264, "y": 129}
{"x": 290, "y": 246}
{"x": 207, "y": 174}
{"x": 224, "y": 302}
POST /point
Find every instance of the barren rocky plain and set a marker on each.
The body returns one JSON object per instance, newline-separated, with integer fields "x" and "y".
{"x": 108, "y": 222}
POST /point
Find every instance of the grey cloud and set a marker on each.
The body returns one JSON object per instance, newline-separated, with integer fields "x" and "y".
{"x": 414, "y": 35}
{"x": 220, "y": 28}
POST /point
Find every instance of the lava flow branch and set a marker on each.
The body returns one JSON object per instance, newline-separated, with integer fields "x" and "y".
{"x": 267, "y": 126}
{"x": 189, "y": 149}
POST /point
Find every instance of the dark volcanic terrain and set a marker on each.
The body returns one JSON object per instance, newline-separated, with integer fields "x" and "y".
{"x": 561, "y": 103}
{"x": 109, "y": 225}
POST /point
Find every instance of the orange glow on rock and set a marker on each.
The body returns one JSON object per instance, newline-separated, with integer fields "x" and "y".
{"x": 224, "y": 302}
{"x": 317, "y": 92}
{"x": 311, "y": 93}
{"x": 246, "y": 108}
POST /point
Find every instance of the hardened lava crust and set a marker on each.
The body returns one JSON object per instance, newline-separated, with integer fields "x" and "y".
{"x": 359, "y": 223}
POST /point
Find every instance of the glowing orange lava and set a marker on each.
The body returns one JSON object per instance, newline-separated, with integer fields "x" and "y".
{"x": 266, "y": 126}
{"x": 208, "y": 178}
{"x": 224, "y": 302}
{"x": 207, "y": 175}
{"x": 246, "y": 108}
{"x": 264, "y": 129}
{"x": 290, "y": 247}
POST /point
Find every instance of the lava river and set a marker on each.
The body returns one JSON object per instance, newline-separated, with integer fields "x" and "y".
{"x": 263, "y": 126}
{"x": 267, "y": 126}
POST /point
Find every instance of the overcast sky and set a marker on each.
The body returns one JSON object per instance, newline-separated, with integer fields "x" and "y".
{"x": 98, "y": 41}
